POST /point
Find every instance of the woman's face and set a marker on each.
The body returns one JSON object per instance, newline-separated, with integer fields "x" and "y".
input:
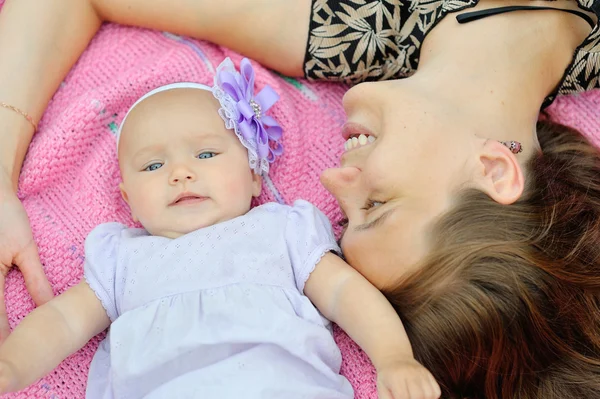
{"x": 393, "y": 189}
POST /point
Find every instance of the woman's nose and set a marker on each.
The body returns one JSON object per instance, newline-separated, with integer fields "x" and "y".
{"x": 344, "y": 185}
{"x": 182, "y": 173}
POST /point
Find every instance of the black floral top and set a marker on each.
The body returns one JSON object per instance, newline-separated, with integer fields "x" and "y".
{"x": 358, "y": 40}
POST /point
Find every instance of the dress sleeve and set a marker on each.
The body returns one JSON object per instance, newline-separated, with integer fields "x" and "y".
{"x": 309, "y": 236}
{"x": 101, "y": 259}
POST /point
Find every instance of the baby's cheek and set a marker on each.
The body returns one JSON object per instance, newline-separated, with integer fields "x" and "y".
{"x": 239, "y": 193}
{"x": 145, "y": 207}
{"x": 235, "y": 184}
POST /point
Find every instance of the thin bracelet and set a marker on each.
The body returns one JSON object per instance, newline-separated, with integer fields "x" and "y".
{"x": 20, "y": 112}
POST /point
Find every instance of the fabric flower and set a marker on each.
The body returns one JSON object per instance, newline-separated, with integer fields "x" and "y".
{"x": 254, "y": 126}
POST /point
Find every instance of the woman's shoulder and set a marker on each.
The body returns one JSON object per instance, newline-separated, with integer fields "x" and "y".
{"x": 584, "y": 72}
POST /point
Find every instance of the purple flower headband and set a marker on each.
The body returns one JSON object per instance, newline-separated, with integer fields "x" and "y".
{"x": 242, "y": 111}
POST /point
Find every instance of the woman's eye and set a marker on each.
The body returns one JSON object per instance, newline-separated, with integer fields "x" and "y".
{"x": 206, "y": 155}
{"x": 373, "y": 204}
{"x": 153, "y": 166}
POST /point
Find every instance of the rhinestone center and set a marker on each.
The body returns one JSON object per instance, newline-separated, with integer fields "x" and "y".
{"x": 256, "y": 108}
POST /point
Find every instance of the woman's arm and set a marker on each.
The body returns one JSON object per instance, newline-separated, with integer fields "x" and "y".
{"x": 39, "y": 42}
{"x": 344, "y": 296}
{"x": 48, "y": 335}
{"x": 272, "y": 32}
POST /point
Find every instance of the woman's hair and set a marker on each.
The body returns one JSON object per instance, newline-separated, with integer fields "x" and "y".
{"x": 507, "y": 303}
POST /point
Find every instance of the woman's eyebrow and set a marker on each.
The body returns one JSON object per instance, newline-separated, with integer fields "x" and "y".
{"x": 377, "y": 222}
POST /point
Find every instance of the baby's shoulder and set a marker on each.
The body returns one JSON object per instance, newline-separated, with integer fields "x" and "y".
{"x": 274, "y": 207}
{"x": 111, "y": 235}
{"x": 301, "y": 216}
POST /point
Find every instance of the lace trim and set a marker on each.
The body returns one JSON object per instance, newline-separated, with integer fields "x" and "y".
{"x": 231, "y": 116}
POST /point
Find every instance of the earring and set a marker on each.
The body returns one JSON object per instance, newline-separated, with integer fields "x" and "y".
{"x": 514, "y": 146}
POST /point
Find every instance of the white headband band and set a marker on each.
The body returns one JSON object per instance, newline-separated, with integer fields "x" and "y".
{"x": 181, "y": 85}
{"x": 242, "y": 111}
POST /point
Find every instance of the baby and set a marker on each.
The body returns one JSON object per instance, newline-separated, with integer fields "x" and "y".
{"x": 212, "y": 299}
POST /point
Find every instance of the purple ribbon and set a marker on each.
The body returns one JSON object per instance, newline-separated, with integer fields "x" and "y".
{"x": 255, "y": 127}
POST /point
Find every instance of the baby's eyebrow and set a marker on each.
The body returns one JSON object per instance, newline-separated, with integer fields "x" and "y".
{"x": 199, "y": 137}
{"x": 377, "y": 222}
{"x": 209, "y": 136}
{"x": 147, "y": 150}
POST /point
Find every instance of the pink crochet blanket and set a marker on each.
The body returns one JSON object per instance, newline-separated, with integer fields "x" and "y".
{"x": 70, "y": 177}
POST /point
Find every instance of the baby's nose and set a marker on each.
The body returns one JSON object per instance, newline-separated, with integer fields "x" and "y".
{"x": 182, "y": 173}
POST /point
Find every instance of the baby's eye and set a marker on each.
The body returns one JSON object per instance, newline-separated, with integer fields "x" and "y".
{"x": 153, "y": 166}
{"x": 206, "y": 155}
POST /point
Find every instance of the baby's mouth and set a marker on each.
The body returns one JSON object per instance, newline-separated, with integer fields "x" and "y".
{"x": 187, "y": 198}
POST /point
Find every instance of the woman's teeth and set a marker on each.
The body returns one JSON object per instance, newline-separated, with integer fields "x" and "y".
{"x": 355, "y": 141}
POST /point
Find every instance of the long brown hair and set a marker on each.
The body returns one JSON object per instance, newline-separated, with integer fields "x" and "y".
{"x": 507, "y": 303}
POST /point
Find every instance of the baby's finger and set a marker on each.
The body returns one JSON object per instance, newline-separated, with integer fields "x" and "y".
{"x": 399, "y": 390}
{"x": 427, "y": 389}
{"x": 384, "y": 393}
{"x": 416, "y": 390}
{"x": 435, "y": 387}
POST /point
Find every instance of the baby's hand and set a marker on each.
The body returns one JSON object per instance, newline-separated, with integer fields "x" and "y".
{"x": 406, "y": 379}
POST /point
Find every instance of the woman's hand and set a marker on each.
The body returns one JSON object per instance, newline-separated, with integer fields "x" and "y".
{"x": 406, "y": 379}
{"x": 7, "y": 377}
{"x": 17, "y": 247}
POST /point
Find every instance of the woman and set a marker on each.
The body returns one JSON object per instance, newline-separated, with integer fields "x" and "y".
{"x": 480, "y": 225}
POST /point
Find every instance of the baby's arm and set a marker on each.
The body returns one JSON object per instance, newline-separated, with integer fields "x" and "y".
{"x": 48, "y": 335}
{"x": 345, "y": 297}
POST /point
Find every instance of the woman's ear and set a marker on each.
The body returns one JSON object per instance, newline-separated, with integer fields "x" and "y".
{"x": 126, "y": 199}
{"x": 500, "y": 175}
{"x": 256, "y": 184}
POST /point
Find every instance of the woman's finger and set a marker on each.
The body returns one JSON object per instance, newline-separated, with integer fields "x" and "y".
{"x": 28, "y": 261}
{"x": 4, "y": 326}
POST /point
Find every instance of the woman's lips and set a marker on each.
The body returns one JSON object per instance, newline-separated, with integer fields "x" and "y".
{"x": 353, "y": 129}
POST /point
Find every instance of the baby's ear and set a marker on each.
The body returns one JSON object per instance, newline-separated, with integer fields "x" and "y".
{"x": 256, "y": 184}
{"x": 126, "y": 199}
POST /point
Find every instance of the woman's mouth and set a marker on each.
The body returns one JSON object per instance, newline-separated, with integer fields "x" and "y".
{"x": 356, "y": 135}
{"x": 358, "y": 141}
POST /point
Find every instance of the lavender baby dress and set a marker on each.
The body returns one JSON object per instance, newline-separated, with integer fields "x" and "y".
{"x": 217, "y": 313}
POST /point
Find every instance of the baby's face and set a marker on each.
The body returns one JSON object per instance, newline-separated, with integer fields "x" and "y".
{"x": 182, "y": 169}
